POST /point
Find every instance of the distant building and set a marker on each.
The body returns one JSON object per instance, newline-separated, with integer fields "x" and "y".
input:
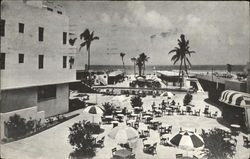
{"x": 115, "y": 76}
{"x": 34, "y": 60}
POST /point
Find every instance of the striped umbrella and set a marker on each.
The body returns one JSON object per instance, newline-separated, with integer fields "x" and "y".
{"x": 187, "y": 140}
{"x": 93, "y": 112}
{"x": 123, "y": 134}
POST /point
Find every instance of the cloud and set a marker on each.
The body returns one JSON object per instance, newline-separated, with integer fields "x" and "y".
{"x": 105, "y": 18}
{"x": 140, "y": 16}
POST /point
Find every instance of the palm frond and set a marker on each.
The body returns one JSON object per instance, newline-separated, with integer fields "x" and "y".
{"x": 82, "y": 45}
{"x": 174, "y": 50}
{"x": 175, "y": 57}
{"x": 96, "y": 38}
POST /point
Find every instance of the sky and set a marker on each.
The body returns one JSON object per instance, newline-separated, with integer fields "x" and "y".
{"x": 217, "y": 31}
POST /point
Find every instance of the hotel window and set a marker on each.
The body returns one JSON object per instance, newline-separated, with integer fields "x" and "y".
{"x": 40, "y": 33}
{"x": 2, "y": 61}
{"x": 64, "y": 37}
{"x": 64, "y": 61}
{"x": 21, "y": 58}
{"x": 40, "y": 61}
{"x": 46, "y": 92}
{"x": 2, "y": 27}
{"x": 21, "y": 27}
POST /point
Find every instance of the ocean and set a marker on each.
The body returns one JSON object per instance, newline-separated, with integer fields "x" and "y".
{"x": 152, "y": 68}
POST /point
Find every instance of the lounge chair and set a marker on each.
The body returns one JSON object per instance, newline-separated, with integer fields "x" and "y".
{"x": 246, "y": 141}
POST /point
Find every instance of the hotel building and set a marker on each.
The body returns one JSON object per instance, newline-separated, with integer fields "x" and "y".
{"x": 34, "y": 60}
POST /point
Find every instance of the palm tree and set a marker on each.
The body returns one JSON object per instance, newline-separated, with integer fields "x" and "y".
{"x": 139, "y": 63}
{"x": 88, "y": 38}
{"x": 181, "y": 55}
{"x": 122, "y": 56}
{"x": 144, "y": 59}
{"x": 133, "y": 59}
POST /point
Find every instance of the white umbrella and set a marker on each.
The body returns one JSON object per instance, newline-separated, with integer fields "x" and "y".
{"x": 93, "y": 111}
{"x": 167, "y": 94}
{"x": 123, "y": 134}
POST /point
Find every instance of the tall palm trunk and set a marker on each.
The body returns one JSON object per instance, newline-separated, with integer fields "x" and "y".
{"x": 185, "y": 66}
{"x": 140, "y": 69}
{"x": 134, "y": 68}
{"x": 123, "y": 65}
{"x": 88, "y": 59}
{"x": 180, "y": 70}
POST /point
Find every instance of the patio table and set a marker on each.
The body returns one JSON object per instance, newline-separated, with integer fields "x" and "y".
{"x": 123, "y": 153}
{"x": 235, "y": 126}
{"x": 120, "y": 115}
{"x": 149, "y": 142}
{"x": 132, "y": 122}
{"x": 118, "y": 111}
{"x": 186, "y": 157}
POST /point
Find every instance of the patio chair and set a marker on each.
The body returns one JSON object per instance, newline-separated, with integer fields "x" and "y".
{"x": 246, "y": 141}
{"x": 100, "y": 143}
{"x": 178, "y": 156}
{"x": 136, "y": 125}
{"x": 178, "y": 111}
{"x": 194, "y": 157}
{"x": 183, "y": 112}
{"x": 113, "y": 151}
{"x": 130, "y": 149}
{"x": 151, "y": 149}
{"x": 147, "y": 133}
{"x": 163, "y": 140}
{"x": 215, "y": 114}
{"x": 197, "y": 113}
{"x": 169, "y": 129}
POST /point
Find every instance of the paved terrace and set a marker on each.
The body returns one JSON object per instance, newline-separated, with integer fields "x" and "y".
{"x": 53, "y": 143}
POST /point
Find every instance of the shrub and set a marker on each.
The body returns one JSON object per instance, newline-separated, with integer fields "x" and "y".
{"x": 215, "y": 145}
{"x": 109, "y": 108}
{"x": 30, "y": 125}
{"x": 187, "y": 99}
{"x": 92, "y": 127}
{"x": 16, "y": 126}
{"x": 136, "y": 101}
{"x": 81, "y": 139}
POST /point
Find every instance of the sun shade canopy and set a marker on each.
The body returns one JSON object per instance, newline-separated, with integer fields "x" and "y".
{"x": 235, "y": 98}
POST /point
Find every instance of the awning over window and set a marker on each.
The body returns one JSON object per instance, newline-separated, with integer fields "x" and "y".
{"x": 235, "y": 98}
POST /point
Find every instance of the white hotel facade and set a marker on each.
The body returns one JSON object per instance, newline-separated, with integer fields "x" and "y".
{"x": 34, "y": 60}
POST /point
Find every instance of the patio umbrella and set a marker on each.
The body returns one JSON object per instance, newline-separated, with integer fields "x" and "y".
{"x": 93, "y": 111}
{"x": 167, "y": 94}
{"x": 188, "y": 140}
{"x": 123, "y": 134}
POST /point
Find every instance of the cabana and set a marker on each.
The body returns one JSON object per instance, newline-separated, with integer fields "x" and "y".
{"x": 236, "y": 108}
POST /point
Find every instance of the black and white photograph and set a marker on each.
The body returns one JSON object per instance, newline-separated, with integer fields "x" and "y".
{"x": 124, "y": 79}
